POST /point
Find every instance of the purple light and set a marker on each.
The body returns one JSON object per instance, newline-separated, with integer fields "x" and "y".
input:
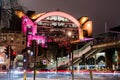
{"x": 39, "y": 39}
{"x": 27, "y": 22}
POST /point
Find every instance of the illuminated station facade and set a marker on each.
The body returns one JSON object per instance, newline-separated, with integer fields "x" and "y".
{"x": 54, "y": 26}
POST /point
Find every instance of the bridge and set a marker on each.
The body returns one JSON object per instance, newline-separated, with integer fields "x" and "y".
{"x": 104, "y": 42}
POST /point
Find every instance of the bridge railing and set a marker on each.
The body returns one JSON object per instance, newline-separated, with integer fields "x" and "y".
{"x": 76, "y": 53}
{"x": 110, "y": 37}
{"x": 107, "y": 37}
{"x": 82, "y": 48}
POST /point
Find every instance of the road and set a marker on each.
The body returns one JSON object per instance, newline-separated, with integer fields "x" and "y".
{"x": 59, "y": 76}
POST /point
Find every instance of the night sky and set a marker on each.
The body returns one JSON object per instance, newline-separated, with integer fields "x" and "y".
{"x": 99, "y": 11}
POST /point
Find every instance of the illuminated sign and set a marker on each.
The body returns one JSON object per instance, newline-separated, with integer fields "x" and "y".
{"x": 19, "y": 57}
{"x": 20, "y": 64}
{"x": 1, "y": 60}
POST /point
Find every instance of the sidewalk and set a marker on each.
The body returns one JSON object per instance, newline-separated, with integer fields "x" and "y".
{"x": 38, "y": 79}
{"x": 62, "y": 79}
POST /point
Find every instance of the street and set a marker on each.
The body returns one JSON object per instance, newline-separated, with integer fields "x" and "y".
{"x": 59, "y": 76}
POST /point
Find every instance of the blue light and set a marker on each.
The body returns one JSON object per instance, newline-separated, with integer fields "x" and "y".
{"x": 24, "y": 60}
{"x": 31, "y": 53}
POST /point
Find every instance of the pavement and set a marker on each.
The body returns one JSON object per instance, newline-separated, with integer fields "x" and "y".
{"x": 99, "y": 78}
{"x": 38, "y": 79}
{"x": 61, "y": 76}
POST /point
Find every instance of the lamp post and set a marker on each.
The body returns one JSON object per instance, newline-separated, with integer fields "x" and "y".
{"x": 33, "y": 46}
{"x": 69, "y": 33}
{"x": 72, "y": 66}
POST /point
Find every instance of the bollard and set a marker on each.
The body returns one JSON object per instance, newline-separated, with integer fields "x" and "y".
{"x": 91, "y": 75}
{"x": 24, "y": 75}
{"x": 35, "y": 72}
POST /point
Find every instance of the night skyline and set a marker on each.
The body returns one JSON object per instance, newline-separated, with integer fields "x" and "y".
{"x": 102, "y": 13}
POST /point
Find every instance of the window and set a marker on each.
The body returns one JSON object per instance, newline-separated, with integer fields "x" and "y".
{"x": 23, "y": 42}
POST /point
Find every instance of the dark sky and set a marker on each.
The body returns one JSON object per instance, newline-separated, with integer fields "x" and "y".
{"x": 99, "y": 11}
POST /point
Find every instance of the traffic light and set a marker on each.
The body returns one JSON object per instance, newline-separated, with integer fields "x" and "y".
{"x": 13, "y": 55}
{"x": 7, "y": 51}
{"x": 10, "y": 52}
{"x": 33, "y": 46}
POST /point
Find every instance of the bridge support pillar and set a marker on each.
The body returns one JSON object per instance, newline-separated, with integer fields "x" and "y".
{"x": 109, "y": 58}
{"x": 118, "y": 58}
{"x": 77, "y": 68}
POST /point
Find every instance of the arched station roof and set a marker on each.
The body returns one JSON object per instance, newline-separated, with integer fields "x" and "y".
{"x": 62, "y": 14}
{"x": 59, "y": 13}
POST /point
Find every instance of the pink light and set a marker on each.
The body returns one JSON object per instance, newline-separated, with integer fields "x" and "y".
{"x": 27, "y": 22}
{"x": 39, "y": 39}
{"x": 59, "y": 13}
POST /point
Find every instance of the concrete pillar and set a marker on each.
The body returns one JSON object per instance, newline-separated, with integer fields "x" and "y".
{"x": 118, "y": 58}
{"x": 77, "y": 68}
{"x": 109, "y": 57}
{"x": 95, "y": 62}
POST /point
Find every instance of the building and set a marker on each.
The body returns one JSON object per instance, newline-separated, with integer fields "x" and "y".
{"x": 54, "y": 26}
{"x": 17, "y": 41}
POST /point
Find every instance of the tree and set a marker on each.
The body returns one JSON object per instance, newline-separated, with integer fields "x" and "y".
{"x": 53, "y": 50}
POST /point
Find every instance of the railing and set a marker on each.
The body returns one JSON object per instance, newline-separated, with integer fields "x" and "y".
{"x": 76, "y": 54}
{"x": 93, "y": 52}
{"x": 60, "y": 60}
{"x": 82, "y": 53}
{"x": 85, "y": 46}
{"x": 112, "y": 36}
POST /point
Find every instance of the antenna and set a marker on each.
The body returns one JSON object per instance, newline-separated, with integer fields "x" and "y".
{"x": 105, "y": 26}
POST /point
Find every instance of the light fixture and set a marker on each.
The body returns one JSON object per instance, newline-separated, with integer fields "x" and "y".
{"x": 83, "y": 19}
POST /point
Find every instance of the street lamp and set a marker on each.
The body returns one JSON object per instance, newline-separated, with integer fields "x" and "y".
{"x": 69, "y": 33}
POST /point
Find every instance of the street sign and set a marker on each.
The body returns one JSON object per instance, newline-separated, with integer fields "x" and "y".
{"x": 44, "y": 62}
